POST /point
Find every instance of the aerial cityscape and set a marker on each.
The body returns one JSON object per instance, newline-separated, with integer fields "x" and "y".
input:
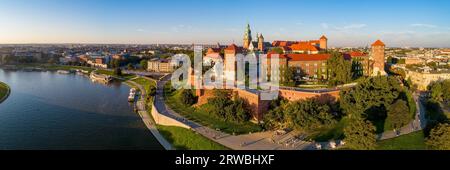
{"x": 108, "y": 75}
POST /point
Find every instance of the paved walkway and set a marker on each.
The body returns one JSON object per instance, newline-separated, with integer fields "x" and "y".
{"x": 147, "y": 119}
{"x": 417, "y": 124}
{"x": 255, "y": 141}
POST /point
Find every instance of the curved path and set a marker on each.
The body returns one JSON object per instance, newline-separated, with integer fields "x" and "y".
{"x": 8, "y": 91}
{"x": 146, "y": 118}
{"x": 419, "y": 122}
{"x": 254, "y": 141}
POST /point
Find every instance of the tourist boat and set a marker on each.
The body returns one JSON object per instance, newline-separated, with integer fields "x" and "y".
{"x": 100, "y": 77}
{"x": 63, "y": 72}
{"x": 132, "y": 95}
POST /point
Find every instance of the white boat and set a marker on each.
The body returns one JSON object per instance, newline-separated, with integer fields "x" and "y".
{"x": 132, "y": 95}
{"x": 100, "y": 77}
{"x": 63, "y": 72}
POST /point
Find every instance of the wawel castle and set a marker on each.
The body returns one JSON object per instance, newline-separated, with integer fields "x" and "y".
{"x": 307, "y": 57}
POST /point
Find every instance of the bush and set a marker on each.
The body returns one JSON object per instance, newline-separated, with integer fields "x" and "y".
{"x": 306, "y": 115}
{"x": 397, "y": 115}
{"x": 187, "y": 97}
{"x": 360, "y": 135}
{"x": 229, "y": 110}
{"x": 117, "y": 71}
{"x": 439, "y": 138}
{"x": 152, "y": 91}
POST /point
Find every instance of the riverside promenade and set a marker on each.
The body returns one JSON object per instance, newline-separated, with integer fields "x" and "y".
{"x": 254, "y": 141}
{"x": 145, "y": 116}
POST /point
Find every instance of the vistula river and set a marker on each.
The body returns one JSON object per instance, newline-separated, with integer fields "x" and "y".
{"x": 47, "y": 110}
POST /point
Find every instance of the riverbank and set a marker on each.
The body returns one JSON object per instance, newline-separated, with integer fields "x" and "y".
{"x": 5, "y": 90}
{"x": 171, "y": 137}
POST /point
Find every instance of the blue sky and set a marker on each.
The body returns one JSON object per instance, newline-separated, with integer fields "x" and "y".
{"x": 419, "y": 23}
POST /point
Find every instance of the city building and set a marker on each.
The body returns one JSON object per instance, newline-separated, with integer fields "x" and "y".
{"x": 423, "y": 79}
{"x": 161, "y": 66}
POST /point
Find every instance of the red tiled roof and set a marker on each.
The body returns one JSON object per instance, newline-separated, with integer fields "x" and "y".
{"x": 282, "y": 43}
{"x": 378, "y": 43}
{"x": 213, "y": 50}
{"x": 357, "y": 54}
{"x": 303, "y": 46}
{"x": 232, "y": 48}
{"x": 308, "y": 57}
{"x": 213, "y": 55}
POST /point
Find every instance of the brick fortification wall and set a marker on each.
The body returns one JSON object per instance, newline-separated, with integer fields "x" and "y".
{"x": 258, "y": 107}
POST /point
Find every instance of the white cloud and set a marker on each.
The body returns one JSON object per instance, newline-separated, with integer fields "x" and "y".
{"x": 351, "y": 27}
{"x": 140, "y": 30}
{"x": 180, "y": 28}
{"x": 424, "y": 25}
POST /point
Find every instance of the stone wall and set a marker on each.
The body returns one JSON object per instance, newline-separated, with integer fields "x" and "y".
{"x": 293, "y": 95}
{"x": 161, "y": 119}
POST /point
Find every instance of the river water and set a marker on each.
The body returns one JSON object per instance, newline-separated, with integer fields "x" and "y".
{"x": 47, "y": 110}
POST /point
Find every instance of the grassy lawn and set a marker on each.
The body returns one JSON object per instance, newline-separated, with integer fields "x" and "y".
{"x": 412, "y": 141}
{"x": 185, "y": 139}
{"x": 202, "y": 116}
{"x": 145, "y": 83}
{"x": 66, "y": 67}
{"x": 3, "y": 90}
{"x": 111, "y": 73}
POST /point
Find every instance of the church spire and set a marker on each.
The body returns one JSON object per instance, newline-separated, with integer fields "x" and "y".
{"x": 247, "y": 36}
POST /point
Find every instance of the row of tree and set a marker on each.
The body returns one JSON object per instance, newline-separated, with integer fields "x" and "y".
{"x": 222, "y": 105}
{"x": 305, "y": 115}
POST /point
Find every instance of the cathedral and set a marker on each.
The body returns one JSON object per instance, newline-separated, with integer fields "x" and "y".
{"x": 258, "y": 45}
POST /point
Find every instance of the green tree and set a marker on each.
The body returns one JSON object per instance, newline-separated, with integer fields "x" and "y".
{"x": 117, "y": 71}
{"x": 228, "y": 110}
{"x": 115, "y": 63}
{"x": 187, "y": 97}
{"x": 144, "y": 64}
{"x": 309, "y": 115}
{"x": 439, "y": 138}
{"x": 398, "y": 115}
{"x": 287, "y": 76}
{"x": 360, "y": 134}
{"x": 440, "y": 91}
{"x": 373, "y": 92}
{"x": 278, "y": 50}
{"x": 340, "y": 69}
{"x": 130, "y": 66}
{"x": 152, "y": 91}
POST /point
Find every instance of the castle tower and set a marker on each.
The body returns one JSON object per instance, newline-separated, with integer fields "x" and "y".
{"x": 323, "y": 42}
{"x": 247, "y": 37}
{"x": 230, "y": 65}
{"x": 260, "y": 42}
{"x": 377, "y": 55}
